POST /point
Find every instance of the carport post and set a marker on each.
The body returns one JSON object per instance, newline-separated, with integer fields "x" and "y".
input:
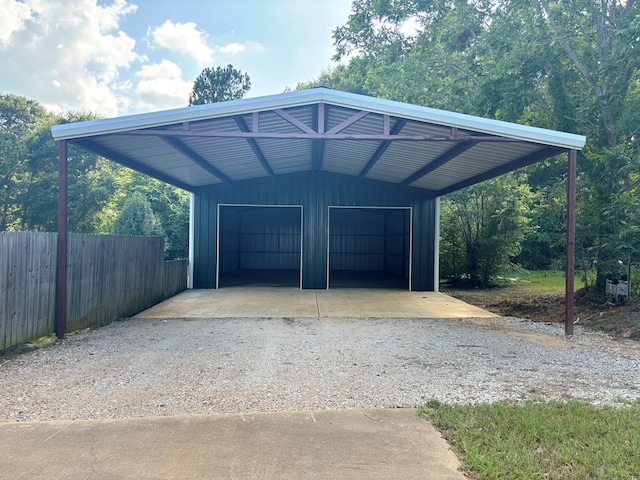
{"x": 571, "y": 243}
{"x": 60, "y": 326}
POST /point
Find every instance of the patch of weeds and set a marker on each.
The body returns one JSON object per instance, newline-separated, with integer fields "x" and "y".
{"x": 551, "y": 440}
{"x": 77, "y": 332}
{"x": 44, "y": 341}
{"x": 22, "y": 348}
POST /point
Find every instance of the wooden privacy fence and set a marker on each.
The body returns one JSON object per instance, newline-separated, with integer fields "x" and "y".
{"x": 109, "y": 277}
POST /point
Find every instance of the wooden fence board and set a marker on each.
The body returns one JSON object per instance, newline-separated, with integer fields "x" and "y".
{"x": 109, "y": 277}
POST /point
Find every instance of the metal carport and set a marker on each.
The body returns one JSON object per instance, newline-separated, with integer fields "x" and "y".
{"x": 317, "y": 148}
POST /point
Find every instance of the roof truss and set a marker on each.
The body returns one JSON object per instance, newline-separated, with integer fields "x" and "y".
{"x": 317, "y": 130}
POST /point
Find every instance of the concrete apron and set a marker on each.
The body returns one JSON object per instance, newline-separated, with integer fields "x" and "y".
{"x": 293, "y": 302}
{"x": 347, "y": 444}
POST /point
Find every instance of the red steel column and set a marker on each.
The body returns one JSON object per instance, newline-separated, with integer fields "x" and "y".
{"x": 61, "y": 277}
{"x": 571, "y": 243}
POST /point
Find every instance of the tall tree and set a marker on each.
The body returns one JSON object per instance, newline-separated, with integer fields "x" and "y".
{"x": 572, "y": 66}
{"x": 137, "y": 218}
{"x": 170, "y": 206}
{"x": 219, "y": 85}
{"x": 483, "y": 227}
{"x": 18, "y": 118}
{"x": 29, "y": 176}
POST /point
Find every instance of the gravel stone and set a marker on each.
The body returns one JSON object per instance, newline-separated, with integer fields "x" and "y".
{"x": 158, "y": 367}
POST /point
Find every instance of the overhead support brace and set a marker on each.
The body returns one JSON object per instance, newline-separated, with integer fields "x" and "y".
{"x": 571, "y": 243}
{"x": 317, "y": 146}
{"x": 501, "y": 170}
{"x": 60, "y": 324}
{"x": 320, "y": 135}
{"x": 438, "y": 162}
{"x": 294, "y": 121}
{"x": 395, "y": 130}
{"x": 196, "y": 158}
{"x": 349, "y": 121}
{"x": 131, "y": 163}
{"x": 242, "y": 125}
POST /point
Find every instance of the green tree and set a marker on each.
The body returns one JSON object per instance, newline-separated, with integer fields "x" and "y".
{"x": 137, "y": 218}
{"x": 219, "y": 85}
{"x": 169, "y": 204}
{"x": 572, "y": 66}
{"x": 482, "y": 228}
{"x": 29, "y": 171}
{"x": 18, "y": 118}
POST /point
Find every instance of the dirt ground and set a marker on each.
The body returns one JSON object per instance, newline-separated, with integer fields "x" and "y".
{"x": 621, "y": 321}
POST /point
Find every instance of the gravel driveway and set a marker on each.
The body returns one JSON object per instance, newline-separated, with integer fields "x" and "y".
{"x": 151, "y": 367}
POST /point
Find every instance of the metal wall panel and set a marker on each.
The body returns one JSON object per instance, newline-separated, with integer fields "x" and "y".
{"x": 315, "y": 192}
{"x": 269, "y": 238}
{"x": 229, "y": 240}
{"x": 356, "y": 239}
{"x": 397, "y": 242}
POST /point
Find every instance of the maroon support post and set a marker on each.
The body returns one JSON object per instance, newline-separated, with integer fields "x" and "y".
{"x": 61, "y": 278}
{"x": 571, "y": 244}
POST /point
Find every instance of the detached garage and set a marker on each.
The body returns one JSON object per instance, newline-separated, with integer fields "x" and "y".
{"x": 316, "y": 188}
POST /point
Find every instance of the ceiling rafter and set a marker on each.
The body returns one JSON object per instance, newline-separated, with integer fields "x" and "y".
{"x": 130, "y": 162}
{"x": 438, "y": 162}
{"x": 525, "y": 161}
{"x": 395, "y": 130}
{"x": 196, "y": 158}
{"x": 254, "y": 145}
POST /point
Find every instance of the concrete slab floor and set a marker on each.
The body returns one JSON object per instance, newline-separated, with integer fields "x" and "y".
{"x": 294, "y": 302}
{"x": 347, "y": 444}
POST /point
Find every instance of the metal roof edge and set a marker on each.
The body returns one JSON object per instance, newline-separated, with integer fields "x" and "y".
{"x": 192, "y": 113}
{"x": 315, "y": 95}
{"x": 454, "y": 119}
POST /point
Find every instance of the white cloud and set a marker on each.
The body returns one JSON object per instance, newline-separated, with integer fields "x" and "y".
{"x": 14, "y": 15}
{"x": 233, "y": 48}
{"x": 183, "y": 38}
{"x": 236, "y": 48}
{"x": 66, "y": 53}
{"x": 161, "y": 86}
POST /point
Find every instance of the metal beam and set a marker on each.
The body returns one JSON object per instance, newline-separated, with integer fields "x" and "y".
{"x": 60, "y": 326}
{"x": 196, "y": 158}
{"x": 571, "y": 243}
{"x": 129, "y": 162}
{"x": 323, "y": 136}
{"x": 349, "y": 121}
{"x": 438, "y": 162}
{"x": 393, "y": 133}
{"x": 530, "y": 159}
{"x": 242, "y": 125}
{"x": 294, "y": 121}
{"x": 317, "y": 146}
{"x": 322, "y": 114}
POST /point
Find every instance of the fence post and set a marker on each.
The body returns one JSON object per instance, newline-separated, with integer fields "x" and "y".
{"x": 571, "y": 243}
{"x": 61, "y": 269}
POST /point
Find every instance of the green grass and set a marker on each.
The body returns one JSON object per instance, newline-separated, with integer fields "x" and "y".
{"x": 545, "y": 282}
{"x": 536, "y": 440}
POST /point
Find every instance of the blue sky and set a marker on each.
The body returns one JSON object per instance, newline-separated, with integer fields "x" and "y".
{"x": 114, "y": 57}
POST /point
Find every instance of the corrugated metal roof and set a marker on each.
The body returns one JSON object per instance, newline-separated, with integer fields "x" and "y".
{"x": 317, "y": 129}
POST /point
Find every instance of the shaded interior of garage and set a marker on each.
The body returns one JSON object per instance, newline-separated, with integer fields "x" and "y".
{"x": 369, "y": 247}
{"x": 314, "y": 195}
{"x": 259, "y": 246}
